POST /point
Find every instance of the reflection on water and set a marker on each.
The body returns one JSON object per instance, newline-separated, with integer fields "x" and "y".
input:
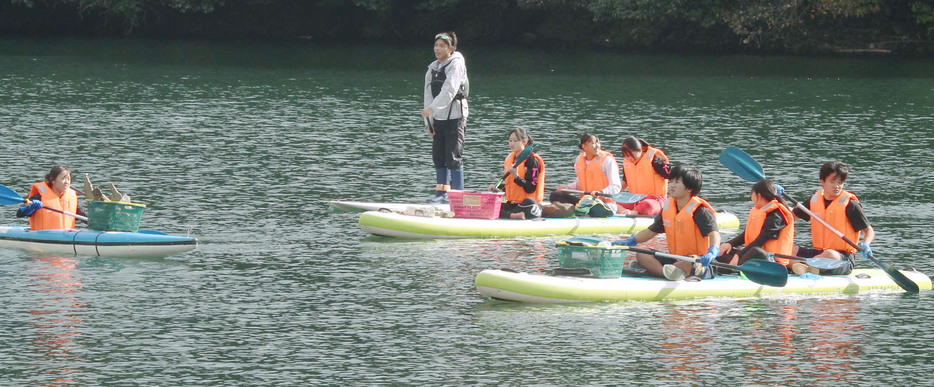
{"x": 56, "y": 309}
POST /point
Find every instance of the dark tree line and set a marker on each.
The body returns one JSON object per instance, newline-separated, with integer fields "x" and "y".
{"x": 764, "y": 26}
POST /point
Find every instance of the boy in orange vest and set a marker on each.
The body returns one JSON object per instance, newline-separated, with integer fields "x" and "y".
{"x": 689, "y": 224}
{"x": 842, "y": 210}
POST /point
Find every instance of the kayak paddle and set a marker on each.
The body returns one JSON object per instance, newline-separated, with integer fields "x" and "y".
{"x": 759, "y": 271}
{"x": 520, "y": 158}
{"x": 8, "y": 196}
{"x": 622, "y": 197}
{"x": 746, "y": 167}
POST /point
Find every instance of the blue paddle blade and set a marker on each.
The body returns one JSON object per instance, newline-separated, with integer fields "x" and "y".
{"x": 9, "y": 196}
{"x": 742, "y": 164}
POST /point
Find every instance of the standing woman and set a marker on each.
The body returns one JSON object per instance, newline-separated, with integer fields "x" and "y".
{"x": 525, "y": 185}
{"x": 446, "y": 89}
{"x": 55, "y": 193}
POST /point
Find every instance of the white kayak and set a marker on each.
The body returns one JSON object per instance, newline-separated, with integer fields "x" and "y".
{"x": 387, "y": 223}
{"x": 143, "y": 244}
{"x": 541, "y": 288}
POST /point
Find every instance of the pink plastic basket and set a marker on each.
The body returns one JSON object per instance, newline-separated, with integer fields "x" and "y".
{"x": 475, "y": 205}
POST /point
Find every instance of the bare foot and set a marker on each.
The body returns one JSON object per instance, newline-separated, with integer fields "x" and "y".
{"x": 517, "y": 215}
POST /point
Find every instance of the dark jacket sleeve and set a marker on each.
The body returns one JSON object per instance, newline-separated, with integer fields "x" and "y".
{"x": 532, "y": 169}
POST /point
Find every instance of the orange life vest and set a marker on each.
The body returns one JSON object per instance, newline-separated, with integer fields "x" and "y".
{"x": 590, "y": 176}
{"x": 835, "y": 215}
{"x": 684, "y": 237}
{"x": 642, "y": 177}
{"x": 514, "y": 192}
{"x": 786, "y": 237}
{"x": 51, "y": 220}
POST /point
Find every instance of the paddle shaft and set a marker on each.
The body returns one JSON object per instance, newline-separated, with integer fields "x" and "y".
{"x": 76, "y": 216}
{"x": 680, "y": 257}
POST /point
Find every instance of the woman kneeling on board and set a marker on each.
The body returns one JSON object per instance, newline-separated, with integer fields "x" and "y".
{"x": 525, "y": 183}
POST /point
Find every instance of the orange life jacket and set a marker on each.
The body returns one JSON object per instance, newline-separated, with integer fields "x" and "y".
{"x": 786, "y": 237}
{"x": 590, "y": 176}
{"x": 514, "y": 192}
{"x": 642, "y": 177}
{"x": 51, "y": 220}
{"x": 684, "y": 237}
{"x": 835, "y": 215}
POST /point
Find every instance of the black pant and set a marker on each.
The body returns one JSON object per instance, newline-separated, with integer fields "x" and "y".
{"x": 447, "y": 145}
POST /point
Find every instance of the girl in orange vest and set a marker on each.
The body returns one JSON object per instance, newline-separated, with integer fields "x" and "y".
{"x": 55, "y": 192}
{"x": 770, "y": 226}
{"x": 597, "y": 172}
{"x": 689, "y": 224}
{"x": 842, "y": 210}
{"x": 525, "y": 185}
{"x": 645, "y": 171}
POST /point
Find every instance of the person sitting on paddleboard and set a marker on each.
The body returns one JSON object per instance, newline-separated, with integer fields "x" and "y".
{"x": 690, "y": 226}
{"x": 597, "y": 172}
{"x": 53, "y": 193}
{"x": 445, "y": 111}
{"x": 842, "y": 210}
{"x": 770, "y": 226}
{"x": 645, "y": 171}
{"x": 525, "y": 185}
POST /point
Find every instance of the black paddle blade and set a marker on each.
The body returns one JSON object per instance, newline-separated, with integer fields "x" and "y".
{"x": 897, "y": 276}
{"x": 764, "y": 272}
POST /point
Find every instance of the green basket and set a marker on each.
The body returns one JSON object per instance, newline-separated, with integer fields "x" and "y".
{"x": 115, "y": 216}
{"x": 603, "y": 262}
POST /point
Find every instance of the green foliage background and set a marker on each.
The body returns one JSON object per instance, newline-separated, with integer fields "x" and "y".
{"x": 761, "y": 26}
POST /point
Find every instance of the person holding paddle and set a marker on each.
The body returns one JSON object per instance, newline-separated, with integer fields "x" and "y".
{"x": 690, "y": 225}
{"x": 445, "y": 114}
{"x": 597, "y": 175}
{"x": 645, "y": 171}
{"x": 842, "y": 210}
{"x": 770, "y": 226}
{"x": 48, "y": 196}
{"x": 525, "y": 179}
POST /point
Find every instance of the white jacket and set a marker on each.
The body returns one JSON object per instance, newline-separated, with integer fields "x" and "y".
{"x": 456, "y": 74}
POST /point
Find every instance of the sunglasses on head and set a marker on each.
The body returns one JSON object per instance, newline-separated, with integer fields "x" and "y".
{"x": 443, "y": 36}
